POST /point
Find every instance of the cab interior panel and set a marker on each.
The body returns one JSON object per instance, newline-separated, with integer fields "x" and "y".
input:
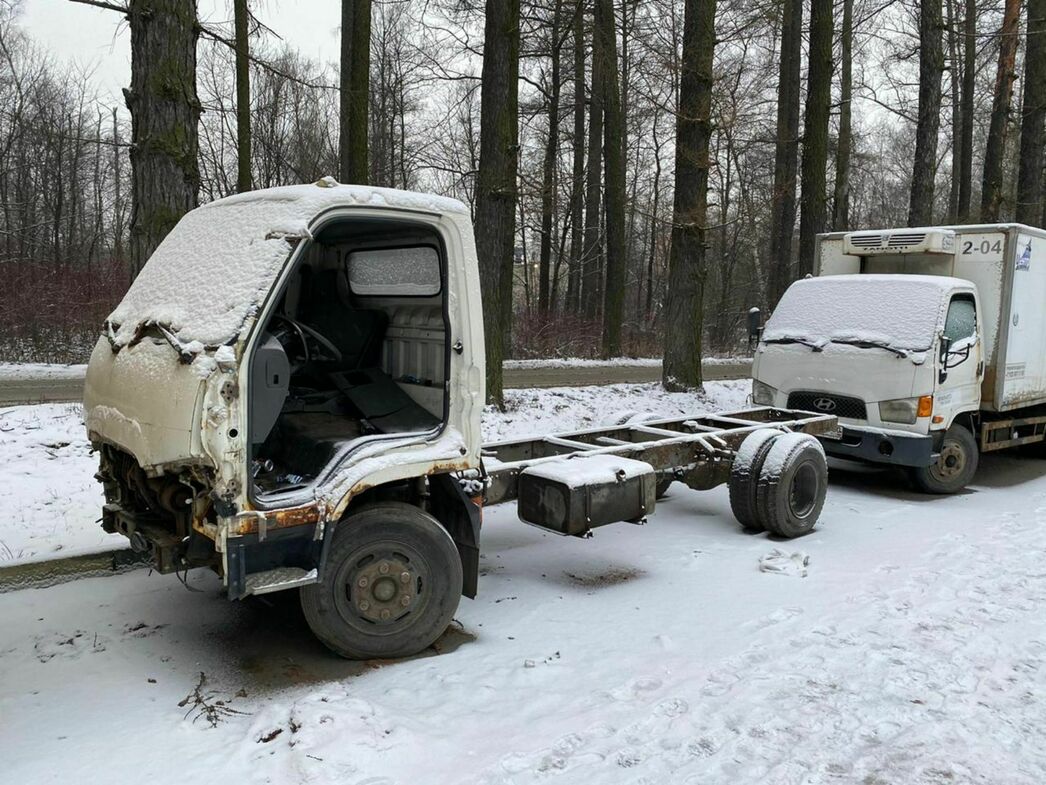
{"x": 355, "y": 346}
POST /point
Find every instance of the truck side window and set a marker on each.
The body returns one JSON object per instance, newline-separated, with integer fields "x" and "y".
{"x": 961, "y": 321}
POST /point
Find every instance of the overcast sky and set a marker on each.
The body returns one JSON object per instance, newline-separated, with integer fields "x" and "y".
{"x": 99, "y": 39}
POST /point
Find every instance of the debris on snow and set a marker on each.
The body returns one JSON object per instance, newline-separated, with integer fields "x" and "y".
{"x": 779, "y": 562}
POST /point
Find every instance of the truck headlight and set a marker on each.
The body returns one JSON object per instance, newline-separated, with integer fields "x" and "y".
{"x": 905, "y": 410}
{"x": 762, "y": 394}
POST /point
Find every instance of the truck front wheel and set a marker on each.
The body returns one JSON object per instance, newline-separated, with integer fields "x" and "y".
{"x": 955, "y": 466}
{"x": 390, "y": 586}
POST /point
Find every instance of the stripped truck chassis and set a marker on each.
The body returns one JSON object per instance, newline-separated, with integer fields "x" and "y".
{"x": 698, "y": 450}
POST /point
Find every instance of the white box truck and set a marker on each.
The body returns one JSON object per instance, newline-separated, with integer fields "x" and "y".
{"x": 929, "y": 344}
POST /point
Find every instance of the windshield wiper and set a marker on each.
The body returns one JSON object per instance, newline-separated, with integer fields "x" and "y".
{"x": 815, "y": 346}
{"x": 874, "y": 345}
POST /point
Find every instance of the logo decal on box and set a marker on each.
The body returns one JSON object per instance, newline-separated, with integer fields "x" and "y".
{"x": 1024, "y": 260}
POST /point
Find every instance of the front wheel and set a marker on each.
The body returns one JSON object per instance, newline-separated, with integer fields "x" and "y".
{"x": 955, "y": 466}
{"x": 390, "y": 586}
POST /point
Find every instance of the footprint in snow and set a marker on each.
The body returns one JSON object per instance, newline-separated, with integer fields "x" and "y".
{"x": 779, "y": 562}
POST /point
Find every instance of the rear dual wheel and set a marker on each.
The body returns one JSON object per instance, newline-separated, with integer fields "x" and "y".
{"x": 778, "y": 482}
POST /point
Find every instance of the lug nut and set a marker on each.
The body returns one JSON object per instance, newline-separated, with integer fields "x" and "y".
{"x": 405, "y": 600}
{"x": 383, "y": 568}
{"x": 404, "y": 577}
{"x": 384, "y": 615}
{"x": 364, "y": 606}
{"x": 362, "y": 583}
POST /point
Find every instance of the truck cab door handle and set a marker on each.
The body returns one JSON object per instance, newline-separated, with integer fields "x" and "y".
{"x": 458, "y": 346}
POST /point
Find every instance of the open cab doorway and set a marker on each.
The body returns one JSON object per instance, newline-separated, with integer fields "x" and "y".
{"x": 352, "y": 349}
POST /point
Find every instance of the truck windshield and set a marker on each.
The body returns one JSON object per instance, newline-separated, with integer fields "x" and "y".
{"x": 899, "y": 313}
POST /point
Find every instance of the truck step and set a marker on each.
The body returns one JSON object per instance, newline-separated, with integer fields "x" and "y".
{"x": 279, "y": 579}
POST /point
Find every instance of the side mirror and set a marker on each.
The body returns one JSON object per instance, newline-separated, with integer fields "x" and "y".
{"x": 942, "y": 369}
{"x": 755, "y": 325}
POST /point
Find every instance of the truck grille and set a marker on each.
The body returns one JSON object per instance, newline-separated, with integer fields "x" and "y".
{"x": 825, "y": 403}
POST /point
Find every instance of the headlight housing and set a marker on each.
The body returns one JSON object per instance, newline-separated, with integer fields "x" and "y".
{"x": 906, "y": 410}
{"x": 762, "y": 394}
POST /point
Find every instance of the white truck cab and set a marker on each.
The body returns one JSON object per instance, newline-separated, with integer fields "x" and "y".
{"x": 928, "y": 344}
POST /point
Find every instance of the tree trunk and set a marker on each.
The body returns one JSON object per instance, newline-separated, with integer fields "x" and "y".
{"x": 841, "y": 201}
{"x": 1033, "y": 115}
{"x": 577, "y": 194}
{"x": 931, "y": 66}
{"x": 548, "y": 176}
{"x": 496, "y": 182}
{"x": 614, "y": 159}
{"x": 956, "y": 69}
{"x": 815, "y": 133}
{"x": 243, "y": 98}
{"x": 786, "y": 156}
{"x": 966, "y": 109}
{"x": 355, "y": 91}
{"x": 998, "y": 129}
{"x": 681, "y": 368}
{"x": 590, "y": 278}
{"x": 165, "y": 111}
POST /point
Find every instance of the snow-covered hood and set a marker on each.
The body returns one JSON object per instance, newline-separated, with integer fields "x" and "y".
{"x": 903, "y": 313}
{"x": 146, "y": 401}
{"x": 868, "y": 374}
{"x": 212, "y": 272}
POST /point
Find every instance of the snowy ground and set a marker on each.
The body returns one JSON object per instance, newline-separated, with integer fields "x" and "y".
{"x": 914, "y": 651}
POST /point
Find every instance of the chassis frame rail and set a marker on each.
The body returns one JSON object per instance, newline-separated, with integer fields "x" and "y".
{"x": 697, "y": 450}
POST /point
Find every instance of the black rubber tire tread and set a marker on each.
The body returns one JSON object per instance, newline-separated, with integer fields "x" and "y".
{"x": 386, "y": 522}
{"x": 774, "y": 486}
{"x": 923, "y": 478}
{"x": 743, "y": 475}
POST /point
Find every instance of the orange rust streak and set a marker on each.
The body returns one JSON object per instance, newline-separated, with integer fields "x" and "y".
{"x": 282, "y": 519}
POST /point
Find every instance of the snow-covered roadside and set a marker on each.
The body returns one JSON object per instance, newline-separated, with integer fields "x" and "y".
{"x": 616, "y": 362}
{"x": 50, "y": 501}
{"x": 914, "y": 651}
{"x": 41, "y": 371}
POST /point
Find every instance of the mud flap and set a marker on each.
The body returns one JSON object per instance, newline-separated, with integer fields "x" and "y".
{"x": 460, "y": 516}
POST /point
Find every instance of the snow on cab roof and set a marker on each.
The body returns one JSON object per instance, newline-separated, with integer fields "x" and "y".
{"x": 898, "y": 312}
{"x": 212, "y": 271}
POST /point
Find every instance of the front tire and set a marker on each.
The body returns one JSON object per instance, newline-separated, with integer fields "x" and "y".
{"x": 955, "y": 466}
{"x": 390, "y": 586}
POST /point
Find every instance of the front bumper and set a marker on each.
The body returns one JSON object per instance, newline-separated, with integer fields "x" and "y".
{"x": 876, "y": 446}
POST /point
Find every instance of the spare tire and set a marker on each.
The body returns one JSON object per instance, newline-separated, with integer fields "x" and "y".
{"x": 744, "y": 472}
{"x": 792, "y": 484}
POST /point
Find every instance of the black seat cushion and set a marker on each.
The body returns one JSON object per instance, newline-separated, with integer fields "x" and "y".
{"x": 382, "y": 402}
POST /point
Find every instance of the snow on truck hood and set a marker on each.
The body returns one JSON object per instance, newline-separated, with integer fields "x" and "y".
{"x": 899, "y": 312}
{"x": 211, "y": 272}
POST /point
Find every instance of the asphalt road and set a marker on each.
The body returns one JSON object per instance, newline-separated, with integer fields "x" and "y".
{"x": 40, "y": 389}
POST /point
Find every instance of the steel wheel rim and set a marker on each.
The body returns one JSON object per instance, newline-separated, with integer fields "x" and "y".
{"x": 951, "y": 463}
{"x": 803, "y": 490}
{"x": 382, "y": 589}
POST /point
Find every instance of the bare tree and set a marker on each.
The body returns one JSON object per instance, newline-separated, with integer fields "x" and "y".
{"x": 1030, "y": 205}
{"x": 841, "y": 201}
{"x": 786, "y": 158}
{"x": 355, "y": 90}
{"x": 681, "y": 368}
{"x": 815, "y": 133}
{"x": 995, "y": 149}
{"x": 931, "y": 66}
{"x": 613, "y": 157}
{"x": 241, "y": 17}
{"x": 496, "y": 182}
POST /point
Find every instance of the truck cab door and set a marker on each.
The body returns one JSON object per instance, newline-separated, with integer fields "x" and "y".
{"x": 963, "y": 366}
